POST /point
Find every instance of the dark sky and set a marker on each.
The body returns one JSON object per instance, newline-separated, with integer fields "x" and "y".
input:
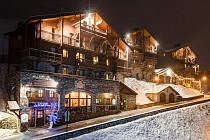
{"x": 169, "y": 21}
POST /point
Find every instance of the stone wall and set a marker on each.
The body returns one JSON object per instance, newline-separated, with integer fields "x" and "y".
{"x": 131, "y": 99}
{"x": 66, "y": 84}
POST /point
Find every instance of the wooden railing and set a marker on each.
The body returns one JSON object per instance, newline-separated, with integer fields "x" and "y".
{"x": 55, "y": 38}
{"x": 92, "y": 64}
{"x": 91, "y": 28}
{"x": 42, "y": 55}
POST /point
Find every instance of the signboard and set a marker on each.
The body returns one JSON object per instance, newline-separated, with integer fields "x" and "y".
{"x": 106, "y": 87}
{"x": 44, "y": 83}
{"x": 24, "y": 118}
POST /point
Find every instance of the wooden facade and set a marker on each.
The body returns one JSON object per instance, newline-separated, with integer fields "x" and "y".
{"x": 181, "y": 59}
{"x": 143, "y": 57}
{"x": 69, "y": 43}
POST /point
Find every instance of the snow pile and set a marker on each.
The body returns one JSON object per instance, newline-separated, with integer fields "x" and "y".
{"x": 7, "y": 132}
{"x": 141, "y": 89}
{"x": 7, "y": 124}
{"x": 190, "y": 123}
{"x": 4, "y": 115}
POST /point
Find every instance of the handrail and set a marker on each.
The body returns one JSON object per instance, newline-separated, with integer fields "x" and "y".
{"x": 42, "y": 54}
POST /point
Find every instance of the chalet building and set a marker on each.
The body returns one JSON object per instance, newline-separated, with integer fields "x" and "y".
{"x": 69, "y": 63}
{"x": 168, "y": 76}
{"x": 181, "y": 59}
{"x": 164, "y": 94}
{"x": 143, "y": 57}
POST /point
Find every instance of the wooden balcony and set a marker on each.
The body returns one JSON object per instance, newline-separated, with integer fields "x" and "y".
{"x": 55, "y": 38}
{"x": 124, "y": 70}
{"x": 90, "y": 64}
{"x": 91, "y": 30}
{"x": 150, "y": 54}
{"x": 41, "y": 55}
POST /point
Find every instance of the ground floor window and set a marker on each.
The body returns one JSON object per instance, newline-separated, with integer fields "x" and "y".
{"x": 78, "y": 102}
{"x": 105, "y": 102}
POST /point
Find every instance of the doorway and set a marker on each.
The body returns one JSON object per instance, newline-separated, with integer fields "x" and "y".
{"x": 40, "y": 118}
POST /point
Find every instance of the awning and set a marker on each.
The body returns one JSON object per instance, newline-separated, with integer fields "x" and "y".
{"x": 12, "y": 105}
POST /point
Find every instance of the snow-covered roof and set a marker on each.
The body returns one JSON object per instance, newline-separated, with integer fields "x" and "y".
{"x": 185, "y": 92}
{"x": 139, "y": 88}
{"x": 142, "y": 87}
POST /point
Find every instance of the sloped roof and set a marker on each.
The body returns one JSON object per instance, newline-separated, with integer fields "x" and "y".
{"x": 126, "y": 90}
{"x": 177, "y": 47}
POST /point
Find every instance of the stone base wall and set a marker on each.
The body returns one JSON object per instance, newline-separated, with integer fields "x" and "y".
{"x": 131, "y": 99}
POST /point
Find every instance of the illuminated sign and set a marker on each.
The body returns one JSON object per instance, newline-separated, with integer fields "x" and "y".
{"x": 44, "y": 83}
{"x": 44, "y": 104}
{"x": 24, "y": 118}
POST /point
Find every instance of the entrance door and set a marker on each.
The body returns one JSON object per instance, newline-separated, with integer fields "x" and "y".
{"x": 162, "y": 97}
{"x": 171, "y": 98}
{"x": 40, "y": 118}
{"x": 123, "y": 102}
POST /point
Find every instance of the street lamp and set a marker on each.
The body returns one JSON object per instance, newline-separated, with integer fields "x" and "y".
{"x": 204, "y": 78}
{"x": 155, "y": 82}
{"x": 204, "y": 87}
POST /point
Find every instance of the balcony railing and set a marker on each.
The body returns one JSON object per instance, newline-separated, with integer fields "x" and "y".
{"x": 91, "y": 29}
{"x": 150, "y": 50}
{"x": 123, "y": 69}
{"x": 92, "y": 64}
{"x": 55, "y": 38}
{"x": 49, "y": 36}
{"x": 151, "y": 55}
{"x": 31, "y": 53}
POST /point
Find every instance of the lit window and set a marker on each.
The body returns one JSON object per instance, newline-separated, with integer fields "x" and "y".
{"x": 51, "y": 94}
{"x": 65, "y": 53}
{"x": 80, "y": 56}
{"x": 107, "y": 62}
{"x": 39, "y": 114}
{"x": 95, "y": 59}
{"x": 107, "y": 76}
{"x": 65, "y": 70}
{"x": 40, "y": 93}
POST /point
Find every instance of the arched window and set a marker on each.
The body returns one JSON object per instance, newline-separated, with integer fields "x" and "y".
{"x": 78, "y": 102}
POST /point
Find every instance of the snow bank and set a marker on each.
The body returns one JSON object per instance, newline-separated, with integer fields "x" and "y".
{"x": 190, "y": 123}
{"x": 7, "y": 132}
{"x": 4, "y": 115}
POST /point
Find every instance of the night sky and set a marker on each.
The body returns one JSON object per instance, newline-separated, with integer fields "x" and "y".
{"x": 169, "y": 21}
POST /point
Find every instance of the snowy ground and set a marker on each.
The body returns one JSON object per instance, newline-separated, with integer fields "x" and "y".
{"x": 190, "y": 123}
{"x": 6, "y": 132}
